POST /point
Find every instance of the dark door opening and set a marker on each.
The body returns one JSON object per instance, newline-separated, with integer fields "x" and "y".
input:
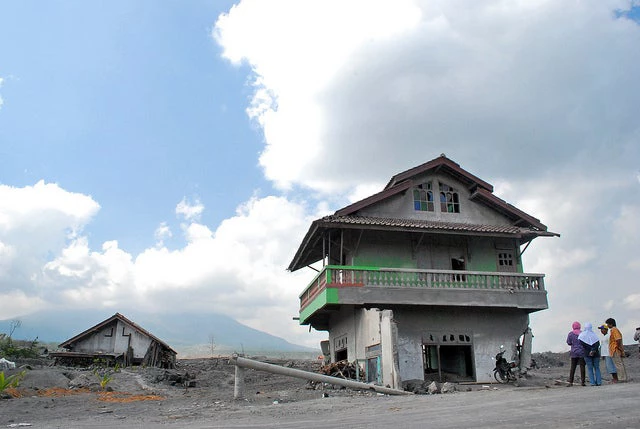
{"x": 448, "y": 363}
{"x": 341, "y": 355}
{"x": 458, "y": 264}
{"x": 373, "y": 370}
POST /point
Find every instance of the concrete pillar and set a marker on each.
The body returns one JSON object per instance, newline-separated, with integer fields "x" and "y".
{"x": 525, "y": 351}
{"x": 389, "y": 346}
{"x": 238, "y": 387}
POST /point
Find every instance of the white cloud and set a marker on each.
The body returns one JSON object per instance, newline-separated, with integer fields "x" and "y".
{"x": 162, "y": 232}
{"x": 238, "y": 269}
{"x": 190, "y": 211}
{"x": 35, "y": 222}
{"x": 538, "y": 97}
{"x": 391, "y": 84}
{"x": 632, "y": 301}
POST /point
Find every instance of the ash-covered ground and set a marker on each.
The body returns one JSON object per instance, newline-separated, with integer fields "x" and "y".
{"x": 200, "y": 390}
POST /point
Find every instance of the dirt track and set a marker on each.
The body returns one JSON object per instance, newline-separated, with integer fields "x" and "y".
{"x": 145, "y": 398}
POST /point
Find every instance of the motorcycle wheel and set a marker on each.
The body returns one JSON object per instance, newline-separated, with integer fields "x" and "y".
{"x": 511, "y": 376}
{"x": 500, "y": 376}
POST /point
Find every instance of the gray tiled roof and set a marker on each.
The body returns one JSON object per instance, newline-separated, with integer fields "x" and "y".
{"x": 422, "y": 224}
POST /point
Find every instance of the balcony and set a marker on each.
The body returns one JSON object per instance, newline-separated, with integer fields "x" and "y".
{"x": 371, "y": 286}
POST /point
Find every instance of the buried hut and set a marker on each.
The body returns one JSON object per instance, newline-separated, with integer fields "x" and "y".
{"x": 116, "y": 340}
{"x": 423, "y": 280}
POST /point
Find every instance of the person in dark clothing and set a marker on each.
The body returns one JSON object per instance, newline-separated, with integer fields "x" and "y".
{"x": 576, "y": 354}
{"x": 591, "y": 345}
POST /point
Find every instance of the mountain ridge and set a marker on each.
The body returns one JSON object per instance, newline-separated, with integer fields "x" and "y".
{"x": 181, "y": 331}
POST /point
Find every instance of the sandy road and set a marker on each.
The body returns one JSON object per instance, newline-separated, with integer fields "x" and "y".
{"x": 610, "y": 406}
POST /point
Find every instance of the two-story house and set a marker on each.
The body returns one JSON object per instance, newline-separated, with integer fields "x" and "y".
{"x": 423, "y": 280}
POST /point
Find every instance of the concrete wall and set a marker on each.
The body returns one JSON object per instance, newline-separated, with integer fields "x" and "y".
{"x": 488, "y": 329}
{"x": 429, "y": 251}
{"x": 403, "y": 330}
{"x": 435, "y": 251}
{"x": 115, "y": 338}
{"x": 401, "y": 206}
{"x": 364, "y": 328}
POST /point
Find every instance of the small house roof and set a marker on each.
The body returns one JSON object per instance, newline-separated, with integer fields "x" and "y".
{"x": 106, "y": 322}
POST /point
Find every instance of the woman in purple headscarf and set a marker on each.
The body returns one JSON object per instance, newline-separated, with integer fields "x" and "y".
{"x": 591, "y": 345}
{"x": 576, "y": 354}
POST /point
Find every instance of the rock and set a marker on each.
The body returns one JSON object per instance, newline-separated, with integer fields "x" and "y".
{"x": 448, "y": 388}
{"x": 6, "y": 364}
{"x": 433, "y": 388}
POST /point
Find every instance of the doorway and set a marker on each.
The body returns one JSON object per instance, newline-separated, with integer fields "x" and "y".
{"x": 448, "y": 362}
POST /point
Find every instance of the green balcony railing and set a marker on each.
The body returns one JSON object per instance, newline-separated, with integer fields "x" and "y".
{"x": 336, "y": 276}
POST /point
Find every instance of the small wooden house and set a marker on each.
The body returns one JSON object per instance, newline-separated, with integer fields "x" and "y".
{"x": 116, "y": 340}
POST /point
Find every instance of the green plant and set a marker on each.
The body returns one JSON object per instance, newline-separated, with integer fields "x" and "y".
{"x": 11, "y": 381}
{"x": 13, "y": 349}
{"x": 104, "y": 377}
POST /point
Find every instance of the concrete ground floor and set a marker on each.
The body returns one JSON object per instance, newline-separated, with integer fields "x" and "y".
{"x": 408, "y": 343}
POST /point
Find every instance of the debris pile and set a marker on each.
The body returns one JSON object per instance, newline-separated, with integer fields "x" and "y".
{"x": 343, "y": 369}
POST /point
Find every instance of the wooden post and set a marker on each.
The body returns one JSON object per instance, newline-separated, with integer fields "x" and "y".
{"x": 238, "y": 388}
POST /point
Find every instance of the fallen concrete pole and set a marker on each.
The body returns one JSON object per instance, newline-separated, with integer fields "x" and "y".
{"x": 298, "y": 373}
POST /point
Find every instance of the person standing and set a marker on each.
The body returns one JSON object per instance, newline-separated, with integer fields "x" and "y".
{"x": 604, "y": 352}
{"x": 636, "y": 337}
{"x": 591, "y": 345}
{"x": 616, "y": 350}
{"x": 576, "y": 353}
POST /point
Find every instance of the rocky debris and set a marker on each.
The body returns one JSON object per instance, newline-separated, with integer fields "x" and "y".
{"x": 549, "y": 360}
{"x": 448, "y": 388}
{"x": 343, "y": 369}
{"x": 420, "y": 387}
{"x": 6, "y": 364}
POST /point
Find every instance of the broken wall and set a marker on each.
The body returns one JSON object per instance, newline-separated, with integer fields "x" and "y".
{"x": 486, "y": 331}
{"x": 115, "y": 338}
{"x": 364, "y": 334}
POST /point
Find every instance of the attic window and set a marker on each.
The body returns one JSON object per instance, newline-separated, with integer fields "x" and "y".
{"x": 423, "y": 198}
{"x": 449, "y": 202}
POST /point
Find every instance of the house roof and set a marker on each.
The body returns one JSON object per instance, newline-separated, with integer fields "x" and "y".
{"x": 481, "y": 191}
{"x": 524, "y": 226}
{"x": 106, "y": 322}
{"x": 309, "y": 253}
{"x": 441, "y": 163}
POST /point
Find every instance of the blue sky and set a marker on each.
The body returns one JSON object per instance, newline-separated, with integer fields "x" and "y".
{"x": 129, "y": 103}
{"x": 163, "y": 153}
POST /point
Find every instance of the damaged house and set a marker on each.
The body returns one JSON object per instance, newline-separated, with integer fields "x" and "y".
{"x": 116, "y": 340}
{"x": 423, "y": 280}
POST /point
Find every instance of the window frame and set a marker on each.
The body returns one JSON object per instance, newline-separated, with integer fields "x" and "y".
{"x": 423, "y": 198}
{"x": 449, "y": 199}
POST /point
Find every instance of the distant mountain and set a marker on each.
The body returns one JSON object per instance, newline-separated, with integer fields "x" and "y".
{"x": 181, "y": 331}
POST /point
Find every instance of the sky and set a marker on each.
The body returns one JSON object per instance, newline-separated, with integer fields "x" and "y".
{"x": 170, "y": 156}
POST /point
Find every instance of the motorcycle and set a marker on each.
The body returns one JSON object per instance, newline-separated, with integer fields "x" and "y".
{"x": 504, "y": 371}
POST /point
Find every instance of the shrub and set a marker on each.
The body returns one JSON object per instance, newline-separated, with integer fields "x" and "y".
{"x": 11, "y": 381}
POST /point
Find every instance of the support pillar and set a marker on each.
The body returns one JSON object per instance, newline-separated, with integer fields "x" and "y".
{"x": 238, "y": 387}
{"x": 525, "y": 352}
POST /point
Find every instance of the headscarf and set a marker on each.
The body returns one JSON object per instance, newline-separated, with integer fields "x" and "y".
{"x": 588, "y": 336}
{"x": 576, "y": 328}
